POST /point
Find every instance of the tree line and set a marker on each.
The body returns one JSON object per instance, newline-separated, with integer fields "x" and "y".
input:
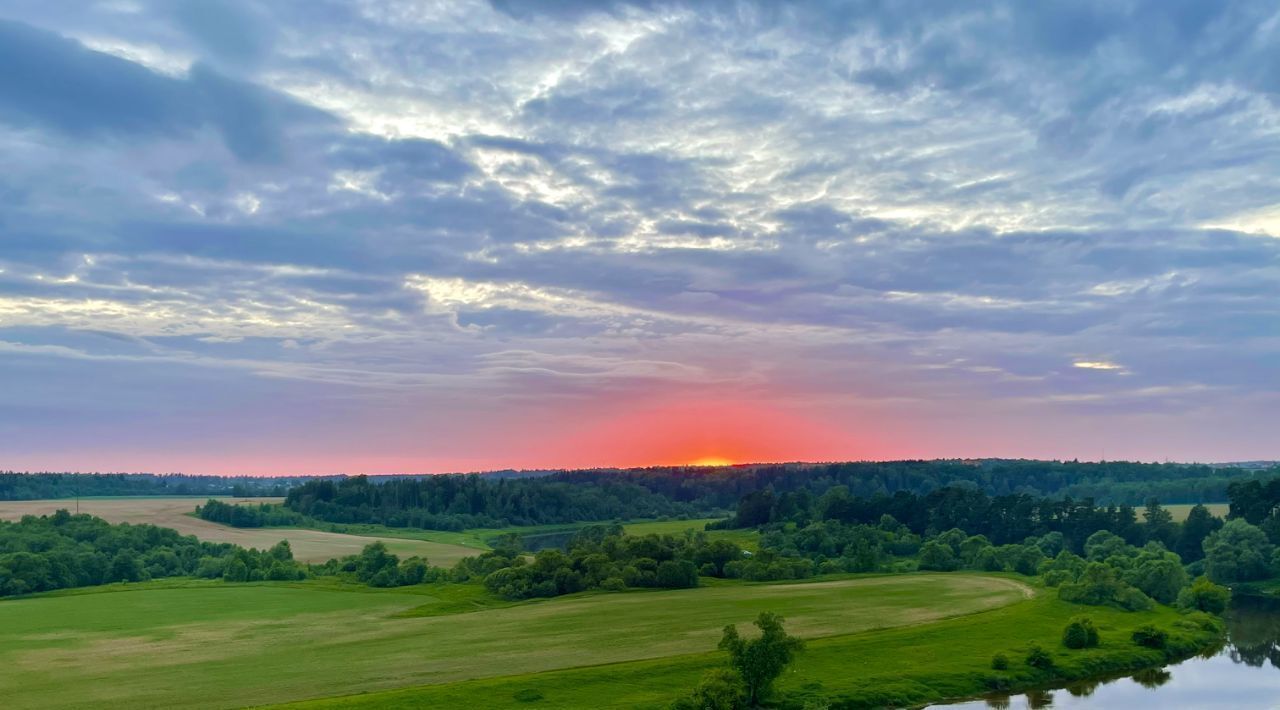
{"x": 39, "y": 554}
{"x": 261, "y": 515}
{"x": 38, "y": 486}
{"x": 454, "y": 502}
{"x": 1006, "y": 519}
{"x": 457, "y": 502}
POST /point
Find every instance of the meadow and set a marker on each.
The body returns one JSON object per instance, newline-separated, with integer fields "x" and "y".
{"x": 211, "y": 644}
{"x": 308, "y": 545}
{"x": 903, "y": 666}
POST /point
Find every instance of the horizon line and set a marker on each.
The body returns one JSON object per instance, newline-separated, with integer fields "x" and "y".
{"x": 571, "y": 469}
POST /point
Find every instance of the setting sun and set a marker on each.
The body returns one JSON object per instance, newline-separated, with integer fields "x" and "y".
{"x": 711, "y": 461}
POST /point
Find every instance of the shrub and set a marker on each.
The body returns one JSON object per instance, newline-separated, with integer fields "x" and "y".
{"x": 1080, "y": 633}
{"x": 938, "y": 556}
{"x": 1037, "y": 657}
{"x": 719, "y": 689}
{"x": 1150, "y": 637}
{"x": 1099, "y": 585}
{"x": 1000, "y": 662}
{"x": 677, "y": 574}
{"x": 1204, "y": 595}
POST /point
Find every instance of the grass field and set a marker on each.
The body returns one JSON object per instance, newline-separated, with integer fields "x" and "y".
{"x": 212, "y": 644}
{"x": 1181, "y": 511}
{"x": 904, "y": 666}
{"x": 308, "y": 545}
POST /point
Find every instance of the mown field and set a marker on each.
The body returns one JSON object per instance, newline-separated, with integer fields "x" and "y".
{"x": 308, "y": 545}
{"x": 1181, "y": 510}
{"x": 904, "y": 666}
{"x": 212, "y": 644}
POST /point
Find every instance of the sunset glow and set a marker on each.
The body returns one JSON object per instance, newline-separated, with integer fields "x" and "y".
{"x": 278, "y": 241}
{"x": 711, "y": 461}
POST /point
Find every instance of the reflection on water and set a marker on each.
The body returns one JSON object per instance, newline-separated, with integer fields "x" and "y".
{"x": 1243, "y": 675}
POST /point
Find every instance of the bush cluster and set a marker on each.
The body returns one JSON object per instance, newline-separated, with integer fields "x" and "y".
{"x": 1080, "y": 633}
{"x": 1150, "y": 637}
{"x": 601, "y": 557}
{"x": 377, "y": 567}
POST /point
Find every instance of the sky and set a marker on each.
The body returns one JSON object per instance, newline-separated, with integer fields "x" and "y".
{"x": 316, "y": 236}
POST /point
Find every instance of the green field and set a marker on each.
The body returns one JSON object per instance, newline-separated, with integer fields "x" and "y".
{"x": 1180, "y": 511}
{"x": 440, "y": 547}
{"x": 175, "y": 512}
{"x": 905, "y": 666}
{"x": 211, "y": 644}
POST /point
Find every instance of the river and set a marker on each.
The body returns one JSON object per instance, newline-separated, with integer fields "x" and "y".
{"x": 1242, "y": 675}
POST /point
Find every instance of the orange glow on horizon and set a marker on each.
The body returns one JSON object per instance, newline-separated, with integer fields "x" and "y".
{"x": 711, "y": 461}
{"x": 710, "y": 431}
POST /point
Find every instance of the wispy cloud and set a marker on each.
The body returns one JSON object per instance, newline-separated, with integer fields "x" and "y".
{"x": 420, "y": 225}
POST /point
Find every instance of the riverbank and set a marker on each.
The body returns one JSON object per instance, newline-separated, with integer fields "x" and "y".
{"x": 899, "y": 667}
{"x": 1240, "y": 675}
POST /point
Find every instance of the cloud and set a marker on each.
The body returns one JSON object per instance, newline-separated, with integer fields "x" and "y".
{"x": 56, "y": 83}
{"x": 233, "y": 31}
{"x": 420, "y": 224}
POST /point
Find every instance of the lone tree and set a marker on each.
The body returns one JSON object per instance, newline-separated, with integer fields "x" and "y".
{"x": 760, "y": 661}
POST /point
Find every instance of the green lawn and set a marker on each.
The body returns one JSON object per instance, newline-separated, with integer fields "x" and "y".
{"x": 211, "y": 644}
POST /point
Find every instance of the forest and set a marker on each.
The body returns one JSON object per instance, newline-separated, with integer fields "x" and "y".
{"x": 39, "y": 554}
{"x": 456, "y": 502}
{"x": 1094, "y": 565}
{"x": 38, "y": 486}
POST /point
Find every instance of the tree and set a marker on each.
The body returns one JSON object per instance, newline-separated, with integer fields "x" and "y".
{"x": 1158, "y": 573}
{"x": 413, "y": 571}
{"x": 677, "y": 574}
{"x": 755, "y": 508}
{"x": 125, "y": 567}
{"x": 1159, "y": 524}
{"x": 377, "y": 564}
{"x": 281, "y": 551}
{"x": 1198, "y": 525}
{"x": 1204, "y": 595}
{"x": 760, "y": 661}
{"x": 236, "y": 571}
{"x": 938, "y": 556}
{"x": 1104, "y": 544}
{"x": 1080, "y": 633}
{"x": 1239, "y": 552}
{"x": 1099, "y": 585}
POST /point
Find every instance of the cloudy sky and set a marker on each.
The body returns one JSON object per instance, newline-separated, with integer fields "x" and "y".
{"x": 317, "y": 235}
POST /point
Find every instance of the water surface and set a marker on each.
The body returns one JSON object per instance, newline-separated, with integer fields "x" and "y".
{"x": 1242, "y": 675}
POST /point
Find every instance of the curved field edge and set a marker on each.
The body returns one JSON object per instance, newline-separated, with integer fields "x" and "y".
{"x": 899, "y": 667}
{"x": 226, "y": 645}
